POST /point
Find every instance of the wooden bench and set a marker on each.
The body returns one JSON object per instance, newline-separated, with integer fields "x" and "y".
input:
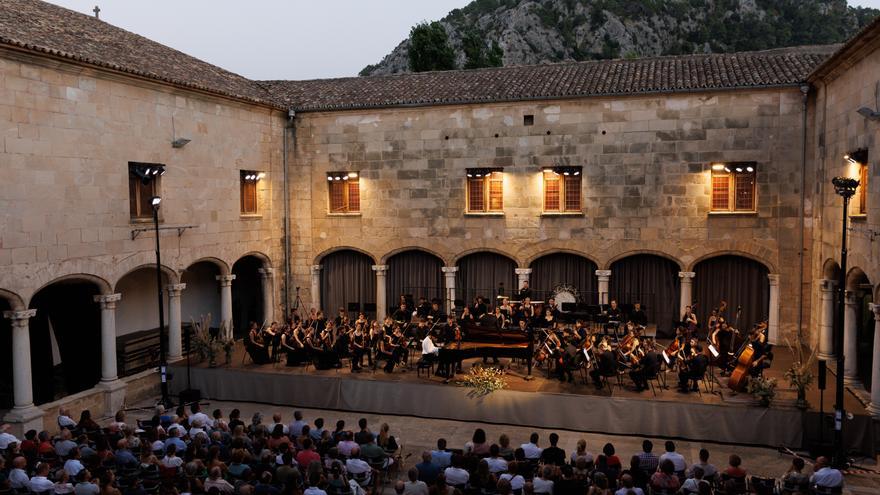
{"x": 139, "y": 351}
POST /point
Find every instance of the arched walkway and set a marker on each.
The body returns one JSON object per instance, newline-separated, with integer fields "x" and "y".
{"x": 740, "y": 281}
{"x": 138, "y": 310}
{"x": 860, "y": 296}
{"x": 484, "y": 274}
{"x": 413, "y": 273}
{"x": 553, "y": 269}
{"x": 651, "y": 280}
{"x": 65, "y": 338}
{"x": 6, "y": 397}
{"x": 247, "y": 294}
{"x": 202, "y": 294}
{"x": 348, "y": 282}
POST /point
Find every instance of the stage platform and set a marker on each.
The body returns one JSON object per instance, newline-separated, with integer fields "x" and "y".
{"x": 718, "y": 416}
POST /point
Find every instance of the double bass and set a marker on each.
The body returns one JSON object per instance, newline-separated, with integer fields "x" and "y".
{"x": 739, "y": 377}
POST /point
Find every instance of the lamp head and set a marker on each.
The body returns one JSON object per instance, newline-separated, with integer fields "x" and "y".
{"x": 845, "y": 186}
{"x": 156, "y": 201}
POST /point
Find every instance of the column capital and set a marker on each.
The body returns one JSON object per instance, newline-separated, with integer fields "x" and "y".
{"x": 20, "y": 315}
{"x": 522, "y": 271}
{"x": 317, "y": 268}
{"x": 266, "y": 272}
{"x": 828, "y": 285}
{"x": 107, "y": 301}
{"x": 849, "y": 298}
{"x": 448, "y": 269}
{"x": 773, "y": 278}
{"x": 380, "y": 269}
{"x": 225, "y": 280}
{"x": 876, "y": 309}
{"x": 686, "y": 275}
{"x": 174, "y": 289}
{"x": 603, "y": 273}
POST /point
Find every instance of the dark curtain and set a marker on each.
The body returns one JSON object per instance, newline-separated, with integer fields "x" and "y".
{"x": 651, "y": 280}
{"x": 564, "y": 269}
{"x": 347, "y": 277}
{"x": 739, "y": 281}
{"x": 479, "y": 275}
{"x": 76, "y": 320}
{"x": 415, "y": 274}
{"x": 247, "y": 295}
{"x": 865, "y": 337}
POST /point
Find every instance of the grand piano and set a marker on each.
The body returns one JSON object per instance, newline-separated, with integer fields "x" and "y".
{"x": 485, "y": 340}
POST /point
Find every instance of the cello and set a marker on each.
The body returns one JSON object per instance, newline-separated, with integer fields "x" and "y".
{"x": 740, "y": 374}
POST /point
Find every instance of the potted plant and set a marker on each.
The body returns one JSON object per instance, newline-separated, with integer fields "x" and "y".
{"x": 800, "y": 374}
{"x": 763, "y": 390}
{"x": 227, "y": 344}
{"x": 203, "y": 344}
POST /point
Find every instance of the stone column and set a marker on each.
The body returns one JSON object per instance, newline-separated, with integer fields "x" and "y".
{"x": 687, "y": 292}
{"x": 449, "y": 272}
{"x": 604, "y": 276}
{"x": 316, "y": 287}
{"x": 826, "y": 324}
{"x": 107, "y": 303}
{"x": 381, "y": 294}
{"x": 24, "y": 415}
{"x": 175, "y": 333}
{"x": 226, "y": 303}
{"x": 522, "y": 275}
{"x": 267, "y": 276}
{"x": 850, "y": 340}
{"x": 773, "y": 317}
{"x": 874, "y": 406}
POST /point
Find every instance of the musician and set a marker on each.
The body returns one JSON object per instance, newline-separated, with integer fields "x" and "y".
{"x": 272, "y": 338}
{"x": 292, "y": 345}
{"x": 406, "y": 302}
{"x": 342, "y": 343}
{"x": 569, "y": 359}
{"x": 638, "y": 315}
{"x": 722, "y": 309}
{"x": 358, "y": 346}
{"x": 373, "y": 342}
{"x": 362, "y": 320}
{"x": 423, "y": 308}
{"x": 549, "y": 319}
{"x": 479, "y": 308}
{"x": 501, "y": 320}
{"x": 693, "y": 369}
{"x": 320, "y": 322}
{"x": 255, "y": 345}
{"x": 341, "y": 316}
{"x": 689, "y": 320}
{"x": 323, "y": 348}
{"x": 387, "y": 350}
{"x": 429, "y": 350}
{"x": 551, "y": 305}
{"x": 606, "y": 364}
{"x": 402, "y": 314}
{"x": 722, "y": 339}
{"x": 435, "y": 315}
{"x": 613, "y": 311}
{"x": 580, "y": 330}
{"x": 713, "y": 321}
{"x": 763, "y": 356}
{"x": 525, "y": 292}
{"x": 466, "y": 317}
{"x": 527, "y": 310}
{"x": 506, "y": 309}
{"x": 648, "y": 367}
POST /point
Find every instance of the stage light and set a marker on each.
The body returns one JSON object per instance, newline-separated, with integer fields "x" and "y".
{"x": 148, "y": 171}
{"x": 155, "y": 201}
{"x": 352, "y": 175}
{"x": 479, "y": 175}
{"x": 739, "y": 169}
{"x": 344, "y": 177}
{"x": 577, "y": 172}
{"x": 548, "y": 170}
{"x": 336, "y": 178}
{"x": 750, "y": 169}
{"x": 718, "y": 167}
{"x": 566, "y": 173}
{"x": 329, "y": 178}
{"x": 727, "y": 170}
{"x": 470, "y": 175}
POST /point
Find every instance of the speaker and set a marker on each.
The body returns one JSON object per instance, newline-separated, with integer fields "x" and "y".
{"x": 190, "y": 395}
{"x": 822, "y": 371}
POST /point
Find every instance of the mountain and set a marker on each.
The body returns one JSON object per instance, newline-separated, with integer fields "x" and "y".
{"x": 544, "y": 31}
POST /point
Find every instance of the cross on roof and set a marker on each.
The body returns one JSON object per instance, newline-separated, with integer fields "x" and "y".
{"x": 97, "y": 11}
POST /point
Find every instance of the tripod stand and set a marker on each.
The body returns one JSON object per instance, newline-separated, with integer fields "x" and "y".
{"x": 297, "y": 302}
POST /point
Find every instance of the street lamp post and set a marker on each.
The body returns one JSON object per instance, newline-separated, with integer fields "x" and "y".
{"x": 846, "y": 188}
{"x": 163, "y": 364}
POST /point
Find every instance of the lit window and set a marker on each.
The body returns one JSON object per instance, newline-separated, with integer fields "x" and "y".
{"x": 345, "y": 192}
{"x": 862, "y": 190}
{"x": 248, "y": 189}
{"x": 562, "y": 190}
{"x": 485, "y": 190}
{"x": 733, "y": 187}
{"x": 143, "y": 184}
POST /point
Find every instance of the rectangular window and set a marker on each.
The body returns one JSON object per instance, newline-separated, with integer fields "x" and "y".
{"x": 733, "y": 187}
{"x": 562, "y": 190}
{"x": 485, "y": 190}
{"x": 248, "y": 191}
{"x": 143, "y": 184}
{"x": 862, "y": 190}
{"x": 345, "y": 193}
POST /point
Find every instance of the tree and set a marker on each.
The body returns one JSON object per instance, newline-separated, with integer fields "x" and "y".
{"x": 429, "y": 48}
{"x": 475, "y": 53}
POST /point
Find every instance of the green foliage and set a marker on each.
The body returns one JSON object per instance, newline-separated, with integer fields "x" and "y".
{"x": 429, "y": 48}
{"x": 476, "y": 53}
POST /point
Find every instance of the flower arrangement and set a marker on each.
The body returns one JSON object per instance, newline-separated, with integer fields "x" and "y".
{"x": 762, "y": 389}
{"x": 208, "y": 347}
{"x": 484, "y": 381}
{"x": 800, "y": 374}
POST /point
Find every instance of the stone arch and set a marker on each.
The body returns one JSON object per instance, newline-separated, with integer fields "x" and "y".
{"x": 469, "y": 252}
{"x": 830, "y": 270}
{"x": 248, "y": 293}
{"x": 771, "y": 268}
{"x": 335, "y": 249}
{"x": 635, "y": 252}
{"x": 16, "y": 303}
{"x": 384, "y": 259}
{"x": 546, "y": 252}
{"x": 222, "y": 265}
{"x": 855, "y": 277}
{"x": 169, "y": 273}
{"x": 267, "y": 262}
{"x": 103, "y": 285}
{"x": 413, "y": 273}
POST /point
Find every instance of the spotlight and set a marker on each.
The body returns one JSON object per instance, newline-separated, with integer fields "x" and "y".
{"x": 577, "y": 172}
{"x": 336, "y": 178}
{"x": 849, "y": 159}
{"x": 470, "y": 175}
{"x": 739, "y": 169}
{"x": 148, "y": 171}
{"x": 750, "y": 169}
{"x": 727, "y": 170}
{"x": 479, "y": 175}
{"x": 329, "y": 178}
{"x": 566, "y": 173}
{"x": 344, "y": 177}
{"x": 261, "y": 175}
{"x": 718, "y": 167}
{"x": 353, "y": 175}
{"x": 155, "y": 201}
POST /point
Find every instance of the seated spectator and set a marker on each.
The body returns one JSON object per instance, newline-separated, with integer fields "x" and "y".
{"x": 639, "y": 476}
{"x": 44, "y": 444}
{"x": 6, "y": 438}
{"x": 63, "y": 446}
{"x": 553, "y": 454}
{"x": 581, "y": 452}
{"x": 428, "y": 471}
{"x": 386, "y": 440}
{"x": 692, "y": 484}
{"x": 118, "y": 420}
{"x": 171, "y": 461}
{"x": 62, "y": 485}
{"x": 504, "y": 447}
{"x": 441, "y": 457}
{"x": 709, "y": 471}
{"x": 665, "y": 479}
{"x": 276, "y": 421}
{"x": 375, "y": 454}
{"x": 85, "y": 485}
{"x": 496, "y": 463}
{"x": 108, "y": 484}
{"x": 73, "y": 465}
{"x": 307, "y": 455}
{"x": 531, "y": 449}
{"x": 504, "y": 487}
{"x": 339, "y": 433}
{"x": 455, "y": 474}
{"x": 123, "y": 456}
{"x": 514, "y": 477}
{"x": 265, "y": 487}
{"x": 278, "y": 437}
{"x": 825, "y": 476}
{"x": 568, "y": 482}
{"x": 40, "y": 482}
{"x": 18, "y": 478}
{"x": 358, "y": 468}
{"x": 413, "y": 485}
{"x": 364, "y": 435}
{"x": 627, "y": 486}
{"x": 543, "y": 483}
{"x": 64, "y": 419}
{"x": 477, "y": 445}
{"x": 345, "y": 446}
{"x": 86, "y": 423}
{"x": 678, "y": 462}
{"x": 28, "y": 446}
{"x": 235, "y": 419}
{"x": 174, "y": 439}
{"x": 316, "y": 433}
{"x": 733, "y": 469}
{"x": 795, "y": 481}
{"x": 648, "y": 460}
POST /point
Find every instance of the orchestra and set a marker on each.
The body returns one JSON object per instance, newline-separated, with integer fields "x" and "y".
{"x": 611, "y": 343}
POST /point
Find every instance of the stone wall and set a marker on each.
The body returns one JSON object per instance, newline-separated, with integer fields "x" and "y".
{"x": 646, "y": 163}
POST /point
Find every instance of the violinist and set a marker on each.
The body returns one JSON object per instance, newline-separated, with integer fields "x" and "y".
{"x": 342, "y": 344}
{"x": 341, "y": 318}
{"x": 256, "y": 346}
{"x": 324, "y": 348}
{"x": 551, "y": 305}
{"x": 402, "y": 315}
{"x": 712, "y": 322}
{"x": 358, "y": 347}
{"x": 689, "y": 321}
{"x": 648, "y": 367}
{"x": 569, "y": 359}
{"x": 272, "y": 338}
{"x": 362, "y": 320}
{"x": 606, "y": 365}
{"x": 292, "y": 345}
{"x": 320, "y": 322}
{"x": 629, "y": 349}
{"x": 386, "y": 350}
{"x": 694, "y": 368}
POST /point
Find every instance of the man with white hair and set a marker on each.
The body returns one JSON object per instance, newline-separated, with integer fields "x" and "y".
{"x": 18, "y": 478}
{"x": 6, "y": 438}
{"x": 198, "y": 415}
{"x": 276, "y": 420}
{"x": 63, "y": 446}
{"x": 358, "y": 468}
{"x": 64, "y": 419}
{"x": 40, "y": 482}
{"x": 197, "y": 427}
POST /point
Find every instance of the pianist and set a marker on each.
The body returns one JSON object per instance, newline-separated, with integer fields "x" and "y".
{"x": 429, "y": 350}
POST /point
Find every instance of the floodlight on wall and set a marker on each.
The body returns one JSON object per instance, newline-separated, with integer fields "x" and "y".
{"x": 156, "y": 201}
{"x": 858, "y": 156}
{"x": 331, "y": 176}
{"x": 180, "y": 142}
{"x": 147, "y": 172}
{"x": 718, "y": 167}
{"x": 564, "y": 170}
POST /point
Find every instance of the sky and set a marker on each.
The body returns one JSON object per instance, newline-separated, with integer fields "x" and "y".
{"x": 280, "y": 39}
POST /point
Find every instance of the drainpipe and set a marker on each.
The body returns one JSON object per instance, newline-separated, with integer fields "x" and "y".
{"x": 288, "y": 129}
{"x": 805, "y": 92}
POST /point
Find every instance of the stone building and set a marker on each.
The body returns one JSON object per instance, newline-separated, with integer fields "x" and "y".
{"x": 667, "y": 181}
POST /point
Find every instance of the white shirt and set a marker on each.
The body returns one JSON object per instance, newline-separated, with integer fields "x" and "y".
{"x": 41, "y": 484}
{"x": 172, "y": 462}
{"x": 415, "y": 488}
{"x": 314, "y": 490}
{"x": 456, "y": 476}
{"x": 357, "y": 466}
{"x": 62, "y": 488}
{"x": 344, "y": 447}
{"x": 532, "y": 451}
{"x": 181, "y": 430}
{"x": 516, "y": 481}
{"x": 73, "y": 467}
{"x": 284, "y": 428}
{"x": 18, "y": 478}
{"x": 195, "y": 430}
{"x": 428, "y": 346}
{"x": 542, "y": 486}
{"x": 6, "y": 439}
{"x": 677, "y": 460}
{"x": 496, "y": 465}
{"x": 624, "y": 491}
{"x": 828, "y": 478}
{"x": 204, "y": 418}
{"x": 66, "y": 422}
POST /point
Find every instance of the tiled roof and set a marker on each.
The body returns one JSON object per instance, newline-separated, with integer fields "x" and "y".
{"x": 41, "y": 27}
{"x": 779, "y": 67}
